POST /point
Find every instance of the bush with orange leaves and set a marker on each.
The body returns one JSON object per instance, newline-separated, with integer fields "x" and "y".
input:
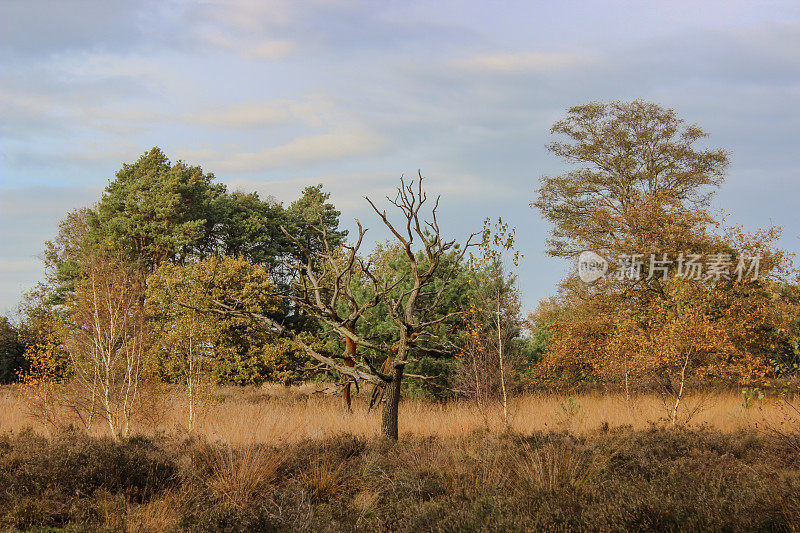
{"x": 723, "y": 332}
{"x": 39, "y": 382}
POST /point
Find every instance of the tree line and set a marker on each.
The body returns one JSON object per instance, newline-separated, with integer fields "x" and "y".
{"x": 170, "y": 277}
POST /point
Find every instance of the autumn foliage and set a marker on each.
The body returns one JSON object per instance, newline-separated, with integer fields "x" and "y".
{"x": 685, "y": 298}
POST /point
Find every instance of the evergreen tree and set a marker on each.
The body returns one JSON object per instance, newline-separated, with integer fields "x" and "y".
{"x": 156, "y": 211}
{"x": 12, "y": 351}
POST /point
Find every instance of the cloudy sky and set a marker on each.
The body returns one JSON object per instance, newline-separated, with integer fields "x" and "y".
{"x": 272, "y": 96}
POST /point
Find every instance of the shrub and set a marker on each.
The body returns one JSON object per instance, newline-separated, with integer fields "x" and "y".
{"x": 617, "y": 480}
{"x": 45, "y": 480}
{"x": 235, "y": 475}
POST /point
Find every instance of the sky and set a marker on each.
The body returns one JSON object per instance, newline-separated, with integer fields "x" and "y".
{"x": 272, "y": 96}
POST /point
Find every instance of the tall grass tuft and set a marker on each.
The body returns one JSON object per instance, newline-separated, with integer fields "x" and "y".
{"x": 160, "y": 515}
{"x": 556, "y": 465}
{"x": 323, "y": 480}
{"x": 237, "y": 474}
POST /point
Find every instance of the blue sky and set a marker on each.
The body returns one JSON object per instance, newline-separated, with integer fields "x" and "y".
{"x": 273, "y": 96}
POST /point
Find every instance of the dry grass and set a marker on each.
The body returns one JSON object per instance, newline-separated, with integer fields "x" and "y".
{"x": 276, "y": 414}
{"x": 322, "y": 479}
{"x": 157, "y": 515}
{"x": 236, "y": 474}
{"x": 557, "y": 465}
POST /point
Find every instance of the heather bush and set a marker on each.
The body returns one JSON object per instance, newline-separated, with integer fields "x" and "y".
{"x": 48, "y": 481}
{"x": 619, "y": 479}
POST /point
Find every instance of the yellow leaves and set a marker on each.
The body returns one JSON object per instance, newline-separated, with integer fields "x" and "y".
{"x": 220, "y": 278}
{"x": 45, "y": 363}
{"x": 38, "y": 383}
{"x": 728, "y": 334}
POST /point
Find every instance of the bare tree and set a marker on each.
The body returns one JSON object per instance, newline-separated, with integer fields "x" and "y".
{"x": 325, "y": 290}
{"x": 413, "y": 310}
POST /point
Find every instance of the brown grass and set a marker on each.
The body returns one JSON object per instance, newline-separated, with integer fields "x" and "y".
{"x": 554, "y": 466}
{"x": 236, "y": 474}
{"x": 276, "y": 414}
{"x": 157, "y": 515}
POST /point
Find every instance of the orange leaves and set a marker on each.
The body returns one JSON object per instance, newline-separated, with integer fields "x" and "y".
{"x": 43, "y": 364}
{"x": 621, "y": 200}
{"x": 38, "y": 383}
{"x": 729, "y": 333}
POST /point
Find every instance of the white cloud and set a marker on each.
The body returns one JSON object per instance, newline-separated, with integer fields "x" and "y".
{"x": 243, "y": 115}
{"x": 138, "y": 68}
{"x": 466, "y": 186}
{"x": 250, "y": 15}
{"x": 520, "y": 62}
{"x": 310, "y": 148}
{"x": 24, "y": 112}
{"x": 348, "y": 190}
{"x": 250, "y": 48}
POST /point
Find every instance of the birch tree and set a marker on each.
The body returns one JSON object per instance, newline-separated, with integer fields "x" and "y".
{"x": 108, "y": 341}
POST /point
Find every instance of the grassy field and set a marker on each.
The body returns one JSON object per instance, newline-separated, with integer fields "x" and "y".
{"x": 283, "y": 459}
{"x": 273, "y": 414}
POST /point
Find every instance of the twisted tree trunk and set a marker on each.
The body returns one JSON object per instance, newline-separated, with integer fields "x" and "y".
{"x": 350, "y": 361}
{"x": 391, "y": 405}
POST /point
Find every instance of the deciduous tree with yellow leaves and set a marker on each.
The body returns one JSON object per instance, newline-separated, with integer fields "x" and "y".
{"x": 638, "y": 195}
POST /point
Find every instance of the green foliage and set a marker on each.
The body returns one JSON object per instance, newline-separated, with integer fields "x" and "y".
{"x": 157, "y": 211}
{"x": 310, "y": 213}
{"x": 392, "y": 265}
{"x": 277, "y": 360}
{"x": 233, "y": 349}
{"x": 178, "y": 297}
{"x": 12, "y": 352}
{"x": 436, "y": 353}
{"x": 750, "y": 395}
{"x": 251, "y": 228}
{"x": 64, "y": 257}
{"x": 286, "y": 364}
{"x": 568, "y": 410}
{"x": 439, "y": 373}
{"x": 539, "y": 325}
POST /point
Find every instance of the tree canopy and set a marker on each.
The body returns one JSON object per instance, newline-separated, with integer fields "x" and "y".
{"x": 639, "y": 180}
{"x": 157, "y": 211}
{"x": 640, "y": 187}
